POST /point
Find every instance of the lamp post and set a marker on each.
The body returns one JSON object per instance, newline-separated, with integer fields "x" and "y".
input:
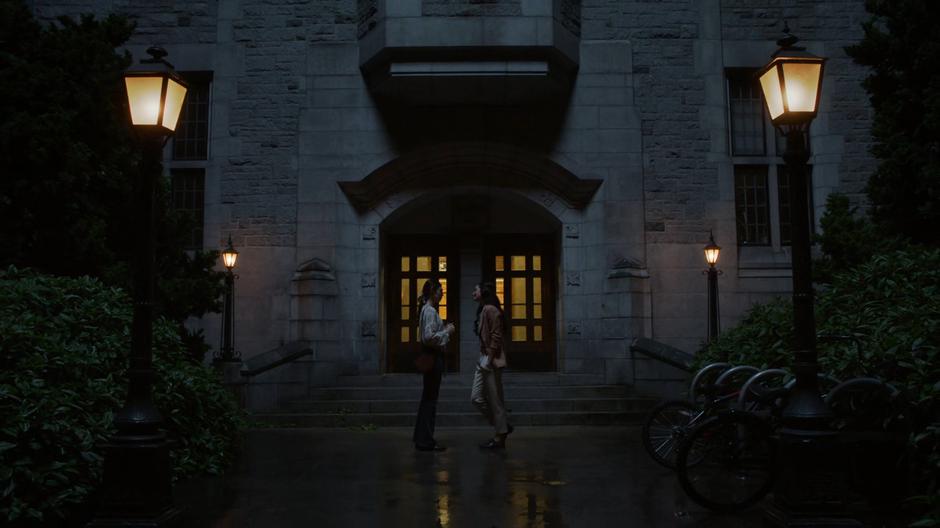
{"x": 136, "y": 490}
{"x": 712, "y": 250}
{"x": 227, "y": 350}
{"x": 810, "y": 483}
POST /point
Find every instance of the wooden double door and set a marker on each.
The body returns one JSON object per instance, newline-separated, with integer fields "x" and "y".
{"x": 523, "y": 270}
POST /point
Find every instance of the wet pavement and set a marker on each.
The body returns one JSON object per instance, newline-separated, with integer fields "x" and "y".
{"x": 548, "y": 477}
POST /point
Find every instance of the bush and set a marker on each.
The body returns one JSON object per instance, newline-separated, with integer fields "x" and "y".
{"x": 849, "y": 239}
{"x": 892, "y": 305}
{"x": 63, "y": 361}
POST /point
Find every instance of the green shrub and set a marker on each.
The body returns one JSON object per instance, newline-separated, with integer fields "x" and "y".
{"x": 849, "y": 239}
{"x": 63, "y": 361}
{"x": 892, "y": 305}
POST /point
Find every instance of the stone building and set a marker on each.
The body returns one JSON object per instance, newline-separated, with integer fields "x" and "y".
{"x": 578, "y": 152}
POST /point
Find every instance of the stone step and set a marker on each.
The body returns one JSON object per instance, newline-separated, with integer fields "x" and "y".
{"x": 463, "y": 405}
{"x": 465, "y": 379}
{"x": 458, "y": 392}
{"x": 444, "y": 419}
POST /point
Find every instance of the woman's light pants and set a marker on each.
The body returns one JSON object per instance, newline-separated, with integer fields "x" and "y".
{"x": 487, "y": 396}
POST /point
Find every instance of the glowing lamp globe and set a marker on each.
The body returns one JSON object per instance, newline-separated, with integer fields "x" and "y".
{"x": 712, "y": 250}
{"x": 791, "y": 84}
{"x": 155, "y": 93}
{"x": 229, "y": 255}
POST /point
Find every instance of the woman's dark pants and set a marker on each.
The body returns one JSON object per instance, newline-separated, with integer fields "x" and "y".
{"x": 427, "y": 410}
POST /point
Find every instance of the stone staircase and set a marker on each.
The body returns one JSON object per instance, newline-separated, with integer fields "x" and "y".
{"x": 392, "y": 400}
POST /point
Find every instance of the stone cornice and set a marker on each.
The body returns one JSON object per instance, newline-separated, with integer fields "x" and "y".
{"x": 469, "y": 164}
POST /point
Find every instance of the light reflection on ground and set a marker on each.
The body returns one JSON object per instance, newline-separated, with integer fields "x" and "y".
{"x": 549, "y": 477}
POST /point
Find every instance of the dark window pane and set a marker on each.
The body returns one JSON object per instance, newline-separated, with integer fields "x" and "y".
{"x": 746, "y": 114}
{"x": 188, "y": 195}
{"x": 750, "y": 204}
{"x": 192, "y": 133}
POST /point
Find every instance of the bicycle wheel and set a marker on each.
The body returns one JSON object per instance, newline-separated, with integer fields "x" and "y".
{"x": 727, "y": 463}
{"x": 667, "y": 424}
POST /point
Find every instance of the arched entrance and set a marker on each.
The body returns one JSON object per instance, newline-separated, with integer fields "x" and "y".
{"x": 462, "y": 236}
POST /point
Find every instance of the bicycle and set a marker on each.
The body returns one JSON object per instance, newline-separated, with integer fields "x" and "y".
{"x": 728, "y": 461}
{"x": 712, "y": 388}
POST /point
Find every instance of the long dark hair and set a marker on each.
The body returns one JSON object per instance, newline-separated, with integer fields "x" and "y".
{"x": 430, "y": 286}
{"x": 487, "y": 296}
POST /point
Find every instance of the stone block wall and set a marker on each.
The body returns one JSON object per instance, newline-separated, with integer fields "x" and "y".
{"x": 679, "y": 52}
{"x": 463, "y": 8}
{"x": 827, "y": 28}
{"x": 291, "y": 116}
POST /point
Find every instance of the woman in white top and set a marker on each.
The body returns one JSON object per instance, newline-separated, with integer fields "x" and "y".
{"x": 434, "y": 338}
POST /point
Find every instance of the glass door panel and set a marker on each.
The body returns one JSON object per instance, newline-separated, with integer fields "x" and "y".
{"x": 412, "y": 261}
{"x": 522, "y": 269}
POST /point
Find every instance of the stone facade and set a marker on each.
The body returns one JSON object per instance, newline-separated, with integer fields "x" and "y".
{"x": 647, "y": 114}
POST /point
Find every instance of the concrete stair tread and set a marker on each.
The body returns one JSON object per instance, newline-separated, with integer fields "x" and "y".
{"x": 581, "y": 398}
{"x": 541, "y": 401}
{"x": 417, "y": 386}
{"x": 524, "y": 379}
{"x": 439, "y": 413}
{"x": 445, "y": 419}
{"x": 458, "y": 391}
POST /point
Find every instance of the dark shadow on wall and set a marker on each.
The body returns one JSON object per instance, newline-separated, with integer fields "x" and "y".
{"x": 535, "y": 123}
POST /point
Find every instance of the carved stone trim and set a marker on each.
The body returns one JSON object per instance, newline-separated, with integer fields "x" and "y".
{"x": 628, "y": 268}
{"x": 314, "y": 269}
{"x": 474, "y": 163}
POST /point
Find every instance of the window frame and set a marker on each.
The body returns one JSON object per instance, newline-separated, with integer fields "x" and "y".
{"x": 175, "y": 164}
{"x": 195, "y": 79}
{"x": 772, "y": 159}
{"x": 200, "y": 222}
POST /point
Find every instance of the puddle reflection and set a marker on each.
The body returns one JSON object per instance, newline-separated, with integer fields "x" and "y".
{"x": 533, "y": 498}
{"x": 443, "y": 498}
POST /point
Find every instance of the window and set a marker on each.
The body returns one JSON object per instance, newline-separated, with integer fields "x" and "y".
{"x": 752, "y": 212}
{"x": 521, "y": 270}
{"x": 189, "y": 156}
{"x": 761, "y": 184}
{"x": 410, "y": 262}
{"x": 188, "y": 198}
{"x": 747, "y": 115}
{"x": 191, "y": 141}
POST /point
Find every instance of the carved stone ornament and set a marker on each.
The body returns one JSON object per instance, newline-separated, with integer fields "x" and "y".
{"x": 628, "y": 268}
{"x": 314, "y": 269}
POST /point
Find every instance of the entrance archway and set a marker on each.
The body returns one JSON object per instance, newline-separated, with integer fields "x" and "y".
{"x": 462, "y": 236}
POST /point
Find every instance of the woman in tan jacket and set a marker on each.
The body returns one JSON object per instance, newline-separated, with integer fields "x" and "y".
{"x": 487, "y": 392}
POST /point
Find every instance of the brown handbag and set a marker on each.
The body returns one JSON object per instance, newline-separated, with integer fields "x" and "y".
{"x": 424, "y": 363}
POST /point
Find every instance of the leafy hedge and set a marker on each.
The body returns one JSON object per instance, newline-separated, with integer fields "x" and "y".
{"x": 63, "y": 361}
{"x": 892, "y": 305}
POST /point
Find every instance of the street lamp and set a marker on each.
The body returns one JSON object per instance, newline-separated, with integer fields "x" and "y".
{"x": 136, "y": 489}
{"x": 227, "y": 350}
{"x": 712, "y": 250}
{"x": 808, "y": 491}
